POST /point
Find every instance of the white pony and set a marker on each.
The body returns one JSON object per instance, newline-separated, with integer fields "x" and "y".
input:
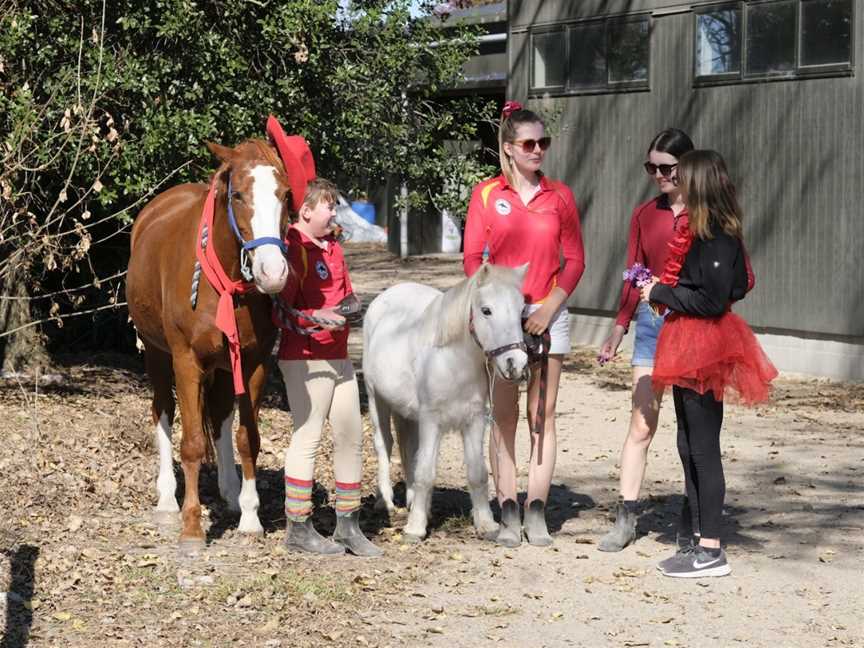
{"x": 424, "y": 362}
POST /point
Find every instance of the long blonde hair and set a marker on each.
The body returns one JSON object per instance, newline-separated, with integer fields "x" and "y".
{"x": 507, "y": 133}
{"x": 709, "y": 194}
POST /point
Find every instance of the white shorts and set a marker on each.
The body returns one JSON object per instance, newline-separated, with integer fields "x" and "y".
{"x": 559, "y": 328}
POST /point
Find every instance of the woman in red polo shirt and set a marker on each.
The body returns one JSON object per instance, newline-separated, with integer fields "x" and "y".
{"x": 652, "y": 226}
{"x": 319, "y": 378}
{"x": 523, "y": 217}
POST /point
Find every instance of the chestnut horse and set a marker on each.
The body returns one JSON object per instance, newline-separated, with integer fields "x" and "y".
{"x": 182, "y": 328}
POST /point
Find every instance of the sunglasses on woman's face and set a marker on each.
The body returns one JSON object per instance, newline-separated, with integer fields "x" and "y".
{"x": 528, "y": 145}
{"x": 665, "y": 169}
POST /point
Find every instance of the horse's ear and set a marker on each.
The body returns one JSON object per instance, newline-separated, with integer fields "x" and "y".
{"x": 222, "y": 152}
{"x": 522, "y": 270}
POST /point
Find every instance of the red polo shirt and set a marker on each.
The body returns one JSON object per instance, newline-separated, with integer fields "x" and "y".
{"x": 652, "y": 226}
{"x": 319, "y": 280}
{"x": 515, "y": 233}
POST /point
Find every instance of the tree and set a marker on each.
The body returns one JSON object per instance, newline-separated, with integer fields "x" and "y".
{"x": 103, "y": 103}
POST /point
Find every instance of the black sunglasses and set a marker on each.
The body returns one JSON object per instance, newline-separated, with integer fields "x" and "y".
{"x": 529, "y": 144}
{"x": 665, "y": 169}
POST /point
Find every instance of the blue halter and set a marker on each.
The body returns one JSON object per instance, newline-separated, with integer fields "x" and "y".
{"x": 245, "y": 268}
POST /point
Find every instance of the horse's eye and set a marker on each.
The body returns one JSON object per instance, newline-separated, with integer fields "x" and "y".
{"x": 486, "y": 311}
{"x": 239, "y": 196}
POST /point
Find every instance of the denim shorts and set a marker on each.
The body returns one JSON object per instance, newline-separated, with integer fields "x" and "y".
{"x": 647, "y": 329}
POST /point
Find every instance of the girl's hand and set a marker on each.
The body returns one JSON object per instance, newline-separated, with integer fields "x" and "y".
{"x": 610, "y": 346}
{"x": 331, "y": 315}
{"x": 646, "y": 289}
{"x": 539, "y": 320}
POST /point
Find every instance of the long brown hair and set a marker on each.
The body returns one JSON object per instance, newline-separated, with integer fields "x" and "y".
{"x": 507, "y": 133}
{"x": 709, "y": 194}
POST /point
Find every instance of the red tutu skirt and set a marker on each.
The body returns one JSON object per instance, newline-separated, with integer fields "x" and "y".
{"x": 720, "y": 354}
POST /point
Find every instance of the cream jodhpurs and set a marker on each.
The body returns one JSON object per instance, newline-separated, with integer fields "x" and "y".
{"x": 318, "y": 390}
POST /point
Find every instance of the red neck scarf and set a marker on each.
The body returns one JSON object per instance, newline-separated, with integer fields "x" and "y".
{"x": 224, "y": 286}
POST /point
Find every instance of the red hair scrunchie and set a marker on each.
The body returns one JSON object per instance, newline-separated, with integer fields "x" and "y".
{"x": 509, "y": 108}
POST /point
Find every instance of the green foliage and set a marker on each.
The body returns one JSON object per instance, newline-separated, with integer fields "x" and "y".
{"x": 174, "y": 73}
{"x": 101, "y": 102}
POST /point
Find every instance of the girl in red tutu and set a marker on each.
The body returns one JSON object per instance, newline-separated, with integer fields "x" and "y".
{"x": 704, "y": 350}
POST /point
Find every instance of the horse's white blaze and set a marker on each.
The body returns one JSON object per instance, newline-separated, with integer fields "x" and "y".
{"x": 249, "y": 502}
{"x": 166, "y": 484}
{"x": 229, "y": 480}
{"x": 421, "y": 364}
{"x": 269, "y": 266}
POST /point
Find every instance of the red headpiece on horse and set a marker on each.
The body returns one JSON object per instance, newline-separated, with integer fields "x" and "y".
{"x": 297, "y": 158}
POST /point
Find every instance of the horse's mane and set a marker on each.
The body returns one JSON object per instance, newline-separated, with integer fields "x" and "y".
{"x": 450, "y": 322}
{"x": 253, "y": 149}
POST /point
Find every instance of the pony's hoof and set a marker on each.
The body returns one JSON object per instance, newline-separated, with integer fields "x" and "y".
{"x": 488, "y": 533}
{"x": 383, "y": 505}
{"x": 411, "y": 538}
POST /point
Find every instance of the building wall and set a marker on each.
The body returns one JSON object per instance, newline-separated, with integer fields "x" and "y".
{"x": 793, "y": 148}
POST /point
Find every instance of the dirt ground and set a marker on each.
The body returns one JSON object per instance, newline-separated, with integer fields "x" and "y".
{"x": 82, "y": 562}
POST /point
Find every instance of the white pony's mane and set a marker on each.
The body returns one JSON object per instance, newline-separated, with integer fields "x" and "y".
{"x": 450, "y": 313}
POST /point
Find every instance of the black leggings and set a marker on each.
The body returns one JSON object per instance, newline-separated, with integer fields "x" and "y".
{"x": 699, "y": 419}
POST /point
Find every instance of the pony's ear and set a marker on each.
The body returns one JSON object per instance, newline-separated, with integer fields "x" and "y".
{"x": 483, "y": 274}
{"x": 222, "y": 152}
{"x": 522, "y": 270}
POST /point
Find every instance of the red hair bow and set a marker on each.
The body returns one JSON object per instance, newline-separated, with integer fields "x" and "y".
{"x": 509, "y": 108}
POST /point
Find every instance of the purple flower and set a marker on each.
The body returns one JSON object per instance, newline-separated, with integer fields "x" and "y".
{"x": 638, "y": 275}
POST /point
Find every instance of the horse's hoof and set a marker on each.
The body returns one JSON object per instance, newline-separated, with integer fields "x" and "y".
{"x": 250, "y": 525}
{"x": 410, "y": 538}
{"x": 383, "y": 505}
{"x": 166, "y": 518}
{"x": 189, "y": 547}
{"x": 488, "y": 534}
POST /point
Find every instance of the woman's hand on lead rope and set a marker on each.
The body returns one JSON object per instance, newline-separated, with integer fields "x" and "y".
{"x": 610, "y": 346}
{"x": 645, "y": 290}
{"x": 539, "y": 320}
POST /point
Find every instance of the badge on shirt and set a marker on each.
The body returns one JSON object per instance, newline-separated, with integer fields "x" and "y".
{"x": 502, "y": 207}
{"x": 321, "y": 269}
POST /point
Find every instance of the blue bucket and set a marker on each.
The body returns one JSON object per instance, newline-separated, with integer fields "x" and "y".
{"x": 365, "y": 210}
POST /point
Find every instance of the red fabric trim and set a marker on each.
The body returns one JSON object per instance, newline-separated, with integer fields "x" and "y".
{"x": 224, "y": 286}
{"x": 679, "y": 246}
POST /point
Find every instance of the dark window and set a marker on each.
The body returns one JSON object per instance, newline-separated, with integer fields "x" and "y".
{"x": 826, "y": 32}
{"x": 588, "y": 55}
{"x": 771, "y": 38}
{"x": 739, "y": 41}
{"x": 597, "y": 55}
{"x": 550, "y": 59}
{"x": 628, "y": 51}
{"x": 718, "y": 41}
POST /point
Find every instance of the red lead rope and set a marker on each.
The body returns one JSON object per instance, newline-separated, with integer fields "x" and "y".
{"x": 224, "y": 286}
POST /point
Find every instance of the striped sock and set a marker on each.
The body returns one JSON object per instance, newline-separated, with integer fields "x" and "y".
{"x": 347, "y": 498}
{"x": 298, "y": 499}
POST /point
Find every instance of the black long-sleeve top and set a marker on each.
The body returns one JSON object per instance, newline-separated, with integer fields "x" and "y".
{"x": 714, "y": 274}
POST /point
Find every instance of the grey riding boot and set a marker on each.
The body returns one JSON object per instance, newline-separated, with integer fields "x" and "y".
{"x": 302, "y": 536}
{"x": 349, "y": 535}
{"x": 535, "y": 524}
{"x": 622, "y": 534}
{"x": 510, "y": 530}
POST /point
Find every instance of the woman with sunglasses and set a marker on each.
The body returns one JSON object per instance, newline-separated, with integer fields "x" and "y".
{"x": 652, "y": 226}
{"x": 523, "y": 217}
